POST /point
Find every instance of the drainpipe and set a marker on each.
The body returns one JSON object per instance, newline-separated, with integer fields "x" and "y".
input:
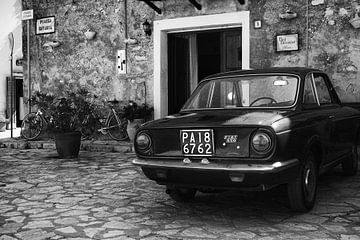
{"x": 126, "y": 28}
{"x": 307, "y": 34}
{"x": 28, "y": 62}
{"x": 126, "y": 34}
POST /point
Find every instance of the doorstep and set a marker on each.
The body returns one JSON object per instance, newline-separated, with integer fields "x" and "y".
{"x": 86, "y": 145}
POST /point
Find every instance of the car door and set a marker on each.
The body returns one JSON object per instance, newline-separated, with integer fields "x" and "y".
{"x": 331, "y": 108}
{"x": 316, "y": 116}
{"x": 342, "y": 128}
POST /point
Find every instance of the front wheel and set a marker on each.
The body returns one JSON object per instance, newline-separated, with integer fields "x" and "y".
{"x": 31, "y": 126}
{"x": 302, "y": 191}
{"x": 117, "y": 131}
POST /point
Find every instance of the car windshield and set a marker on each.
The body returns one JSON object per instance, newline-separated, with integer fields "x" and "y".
{"x": 255, "y": 91}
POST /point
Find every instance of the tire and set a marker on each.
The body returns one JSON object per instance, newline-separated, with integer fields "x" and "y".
{"x": 182, "y": 194}
{"x": 350, "y": 164}
{"x": 31, "y": 126}
{"x": 302, "y": 191}
{"x": 115, "y": 131}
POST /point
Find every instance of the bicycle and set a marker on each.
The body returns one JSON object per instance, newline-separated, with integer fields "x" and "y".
{"x": 34, "y": 122}
{"x": 114, "y": 125}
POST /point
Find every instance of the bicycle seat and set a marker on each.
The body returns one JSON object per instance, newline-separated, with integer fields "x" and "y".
{"x": 113, "y": 101}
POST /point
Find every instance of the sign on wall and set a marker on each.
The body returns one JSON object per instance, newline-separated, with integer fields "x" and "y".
{"x": 45, "y": 25}
{"x": 27, "y": 14}
{"x": 288, "y": 42}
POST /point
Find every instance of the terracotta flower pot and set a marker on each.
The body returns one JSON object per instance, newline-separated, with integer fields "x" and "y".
{"x": 68, "y": 144}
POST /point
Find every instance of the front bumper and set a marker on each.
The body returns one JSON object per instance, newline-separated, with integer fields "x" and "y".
{"x": 219, "y": 175}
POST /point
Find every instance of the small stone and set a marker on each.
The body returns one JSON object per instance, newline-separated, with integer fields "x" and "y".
{"x": 118, "y": 225}
{"x": 9, "y": 228}
{"x": 66, "y": 221}
{"x": 196, "y": 232}
{"x": 349, "y": 237}
{"x": 74, "y": 213}
{"x": 19, "y": 185}
{"x": 91, "y": 232}
{"x": 67, "y": 230}
{"x": 39, "y": 224}
{"x": 5, "y": 237}
{"x": 144, "y": 232}
{"x": 35, "y": 234}
{"x": 113, "y": 234}
{"x": 18, "y": 219}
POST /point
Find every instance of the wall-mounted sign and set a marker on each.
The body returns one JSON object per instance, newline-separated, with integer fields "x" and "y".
{"x": 45, "y": 25}
{"x": 27, "y": 14}
{"x": 287, "y": 42}
{"x": 121, "y": 61}
{"x": 257, "y": 24}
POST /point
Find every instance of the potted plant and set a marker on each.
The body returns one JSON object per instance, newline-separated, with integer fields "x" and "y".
{"x": 67, "y": 115}
{"x": 136, "y": 115}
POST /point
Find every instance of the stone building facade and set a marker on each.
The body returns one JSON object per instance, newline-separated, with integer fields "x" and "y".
{"x": 318, "y": 33}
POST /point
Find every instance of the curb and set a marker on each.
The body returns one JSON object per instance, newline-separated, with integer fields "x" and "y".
{"x": 91, "y": 146}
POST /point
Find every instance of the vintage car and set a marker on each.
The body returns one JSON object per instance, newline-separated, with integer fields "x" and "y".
{"x": 252, "y": 130}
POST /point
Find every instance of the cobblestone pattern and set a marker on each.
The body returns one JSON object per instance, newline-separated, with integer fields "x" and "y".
{"x": 103, "y": 196}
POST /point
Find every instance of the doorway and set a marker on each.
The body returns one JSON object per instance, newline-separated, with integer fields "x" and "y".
{"x": 165, "y": 27}
{"x": 192, "y": 56}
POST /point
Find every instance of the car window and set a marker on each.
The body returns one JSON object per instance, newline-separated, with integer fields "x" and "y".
{"x": 322, "y": 90}
{"x": 264, "y": 91}
{"x": 225, "y": 94}
{"x": 201, "y": 98}
{"x": 309, "y": 95}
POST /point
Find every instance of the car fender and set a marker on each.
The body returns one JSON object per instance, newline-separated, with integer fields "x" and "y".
{"x": 314, "y": 144}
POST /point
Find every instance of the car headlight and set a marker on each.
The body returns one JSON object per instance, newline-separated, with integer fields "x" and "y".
{"x": 143, "y": 141}
{"x": 261, "y": 142}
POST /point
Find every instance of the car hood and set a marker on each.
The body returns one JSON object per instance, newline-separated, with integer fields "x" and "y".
{"x": 219, "y": 118}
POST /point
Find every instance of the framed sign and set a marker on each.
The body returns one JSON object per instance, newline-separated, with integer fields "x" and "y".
{"x": 287, "y": 42}
{"x": 45, "y": 25}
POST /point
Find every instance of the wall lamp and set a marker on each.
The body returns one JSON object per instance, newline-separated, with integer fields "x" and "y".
{"x": 90, "y": 34}
{"x": 147, "y": 28}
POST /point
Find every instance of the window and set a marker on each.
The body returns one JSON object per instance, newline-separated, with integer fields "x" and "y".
{"x": 309, "y": 95}
{"x": 322, "y": 90}
{"x": 225, "y": 95}
{"x": 261, "y": 91}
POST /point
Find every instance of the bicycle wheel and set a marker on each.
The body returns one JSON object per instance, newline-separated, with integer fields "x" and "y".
{"x": 117, "y": 131}
{"x": 31, "y": 126}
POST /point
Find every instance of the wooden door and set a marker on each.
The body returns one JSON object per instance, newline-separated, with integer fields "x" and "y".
{"x": 231, "y": 50}
{"x": 178, "y": 72}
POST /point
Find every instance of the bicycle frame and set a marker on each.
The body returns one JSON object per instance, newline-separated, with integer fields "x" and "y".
{"x": 104, "y": 130}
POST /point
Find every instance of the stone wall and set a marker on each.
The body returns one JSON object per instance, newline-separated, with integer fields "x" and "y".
{"x": 334, "y": 45}
{"x": 78, "y": 62}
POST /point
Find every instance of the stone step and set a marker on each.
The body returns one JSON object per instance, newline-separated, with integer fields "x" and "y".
{"x": 86, "y": 145}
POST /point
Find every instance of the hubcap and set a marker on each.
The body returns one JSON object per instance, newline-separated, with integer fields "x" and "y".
{"x": 309, "y": 182}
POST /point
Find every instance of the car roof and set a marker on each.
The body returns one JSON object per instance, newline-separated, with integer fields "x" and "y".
{"x": 301, "y": 71}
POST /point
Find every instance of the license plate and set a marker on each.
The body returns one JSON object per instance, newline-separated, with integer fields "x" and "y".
{"x": 197, "y": 142}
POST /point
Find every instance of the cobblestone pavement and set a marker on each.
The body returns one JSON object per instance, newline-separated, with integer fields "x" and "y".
{"x": 102, "y": 196}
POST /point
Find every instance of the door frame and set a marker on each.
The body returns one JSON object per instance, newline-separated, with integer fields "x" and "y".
{"x": 189, "y": 24}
